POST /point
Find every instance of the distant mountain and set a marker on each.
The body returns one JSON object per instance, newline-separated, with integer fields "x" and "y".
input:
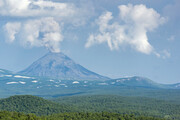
{"x": 176, "y": 86}
{"x": 47, "y": 87}
{"x": 137, "y": 81}
{"x": 17, "y": 84}
{"x": 5, "y": 72}
{"x": 60, "y": 66}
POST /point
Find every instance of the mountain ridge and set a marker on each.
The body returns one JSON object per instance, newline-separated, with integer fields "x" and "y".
{"x": 138, "y": 81}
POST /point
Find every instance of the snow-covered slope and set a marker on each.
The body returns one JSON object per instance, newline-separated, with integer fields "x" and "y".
{"x": 17, "y": 84}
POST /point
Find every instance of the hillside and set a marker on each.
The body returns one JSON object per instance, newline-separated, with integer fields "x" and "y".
{"x": 32, "y": 104}
{"x": 139, "y": 106}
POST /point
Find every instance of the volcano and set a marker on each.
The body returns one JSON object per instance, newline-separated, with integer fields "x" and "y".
{"x": 60, "y": 66}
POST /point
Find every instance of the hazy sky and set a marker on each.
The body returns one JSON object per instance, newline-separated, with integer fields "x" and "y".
{"x": 115, "y": 38}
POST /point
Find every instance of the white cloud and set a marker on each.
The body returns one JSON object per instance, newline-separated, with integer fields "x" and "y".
{"x": 138, "y": 20}
{"x": 166, "y": 54}
{"x": 76, "y": 14}
{"x": 25, "y": 8}
{"x": 171, "y": 38}
{"x": 40, "y": 19}
{"x": 12, "y": 29}
{"x": 1, "y": 3}
{"x": 44, "y": 32}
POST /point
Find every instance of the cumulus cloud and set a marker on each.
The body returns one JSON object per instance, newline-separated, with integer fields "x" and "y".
{"x": 61, "y": 11}
{"x": 130, "y": 30}
{"x": 45, "y": 32}
{"x": 11, "y": 30}
{"x": 39, "y": 20}
{"x": 26, "y": 8}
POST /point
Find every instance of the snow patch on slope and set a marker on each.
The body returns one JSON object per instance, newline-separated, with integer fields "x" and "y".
{"x": 7, "y": 75}
{"x": 75, "y": 82}
{"x": 11, "y": 83}
{"x": 177, "y": 85}
{"x": 22, "y": 82}
{"x": 34, "y": 81}
{"x": 102, "y": 84}
{"x": 19, "y": 76}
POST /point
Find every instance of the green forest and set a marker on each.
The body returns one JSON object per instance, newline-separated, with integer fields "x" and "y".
{"x": 5, "y": 115}
{"x": 91, "y": 107}
{"x": 124, "y": 105}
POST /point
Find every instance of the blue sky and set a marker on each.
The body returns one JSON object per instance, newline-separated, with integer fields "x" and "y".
{"x": 114, "y": 38}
